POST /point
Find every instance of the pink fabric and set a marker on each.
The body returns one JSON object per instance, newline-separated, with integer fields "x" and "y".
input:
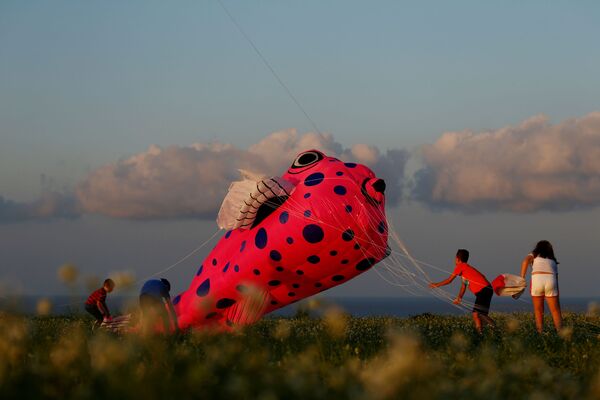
{"x": 331, "y": 229}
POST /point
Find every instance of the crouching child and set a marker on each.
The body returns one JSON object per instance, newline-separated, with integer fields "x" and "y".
{"x": 96, "y": 303}
{"x": 157, "y": 311}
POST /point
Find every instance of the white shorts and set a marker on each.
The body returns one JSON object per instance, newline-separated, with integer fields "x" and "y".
{"x": 544, "y": 285}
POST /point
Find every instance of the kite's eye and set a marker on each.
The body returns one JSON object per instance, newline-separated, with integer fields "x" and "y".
{"x": 306, "y": 159}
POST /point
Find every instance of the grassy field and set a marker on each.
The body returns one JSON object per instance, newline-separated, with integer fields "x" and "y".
{"x": 334, "y": 357}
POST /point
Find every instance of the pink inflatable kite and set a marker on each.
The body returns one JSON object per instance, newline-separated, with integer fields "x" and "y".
{"x": 319, "y": 225}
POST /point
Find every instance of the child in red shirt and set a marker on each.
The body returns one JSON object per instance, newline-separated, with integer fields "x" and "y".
{"x": 476, "y": 282}
{"x": 96, "y": 302}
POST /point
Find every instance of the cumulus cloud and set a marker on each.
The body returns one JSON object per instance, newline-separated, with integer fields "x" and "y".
{"x": 192, "y": 181}
{"x": 165, "y": 182}
{"x": 279, "y": 149}
{"x": 391, "y": 167}
{"x": 532, "y": 166}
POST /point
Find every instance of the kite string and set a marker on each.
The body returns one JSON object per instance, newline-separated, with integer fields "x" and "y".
{"x": 406, "y": 254}
{"x": 303, "y": 110}
{"x": 170, "y": 267}
{"x": 591, "y": 327}
{"x": 191, "y": 253}
{"x": 270, "y": 68}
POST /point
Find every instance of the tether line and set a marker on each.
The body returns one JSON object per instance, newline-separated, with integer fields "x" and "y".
{"x": 268, "y": 65}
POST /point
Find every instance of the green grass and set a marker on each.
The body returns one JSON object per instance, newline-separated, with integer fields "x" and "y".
{"x": 335, "y": 357}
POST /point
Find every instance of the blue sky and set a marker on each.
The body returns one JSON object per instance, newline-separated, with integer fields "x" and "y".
{"x": 85, "y": 84}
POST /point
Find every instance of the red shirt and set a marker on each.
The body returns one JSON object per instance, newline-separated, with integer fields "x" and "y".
{"x": 98, "y": 296}
{"x": 474, "y": 279}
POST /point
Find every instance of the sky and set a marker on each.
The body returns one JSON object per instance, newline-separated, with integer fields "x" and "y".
{"x": 122, "y": 124}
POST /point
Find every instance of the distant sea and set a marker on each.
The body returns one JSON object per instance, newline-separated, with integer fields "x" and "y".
{"x": 357, "y": 306}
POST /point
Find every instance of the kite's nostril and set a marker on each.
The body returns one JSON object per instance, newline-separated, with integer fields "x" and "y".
{"x": 379, "y": 186}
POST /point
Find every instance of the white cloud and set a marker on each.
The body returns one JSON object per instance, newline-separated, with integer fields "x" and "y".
{"x": 532, "y": 166}
{"x": 365, "y": 154}
{"x": 191, "y": 181}
{"x": 279, "y": 149}
{"x": 163, "y": 183}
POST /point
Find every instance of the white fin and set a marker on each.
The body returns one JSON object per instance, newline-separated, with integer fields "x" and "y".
{"x": 253, "y": 176}
{"x": 244, "y": 197}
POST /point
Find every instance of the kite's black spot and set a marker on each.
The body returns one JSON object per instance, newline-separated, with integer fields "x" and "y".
{"x": 260, "y": 240}
{"x": 365, "y": 264}
{"x": 283, "y": 217}
{"x": 204, "y": 288}
{"x": 314, "y": 179}
{"x": 348, "y": 235}
{"x": 339, "y": 189}
{"x": 313, "y": 259}
{"x": 225, "y": 302}
{"x": 275, "y": 255}
{"x": 313, "y": 233}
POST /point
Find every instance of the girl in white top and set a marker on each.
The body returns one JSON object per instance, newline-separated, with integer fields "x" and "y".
{"x": 544, "y": 283}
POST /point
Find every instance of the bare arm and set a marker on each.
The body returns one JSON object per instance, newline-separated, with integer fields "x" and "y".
{"x": 445, "y": 282}
{"x": 525, "y": 264}
{"x": 461, "y": 293}
{"x": 103, "y": 308}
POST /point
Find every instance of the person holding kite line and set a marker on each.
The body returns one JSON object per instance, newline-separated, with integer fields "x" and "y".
{"x": 156, "y": 306}
{"x": 477, "y": 283}
{"x": 544, "y": 283}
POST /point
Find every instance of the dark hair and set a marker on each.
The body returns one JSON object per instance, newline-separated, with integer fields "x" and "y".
{"x": 166, "y": 283}
{"x": 463, "y": 255}
{"x": 544, "y": 249}
{"x": 109, "y": 282}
